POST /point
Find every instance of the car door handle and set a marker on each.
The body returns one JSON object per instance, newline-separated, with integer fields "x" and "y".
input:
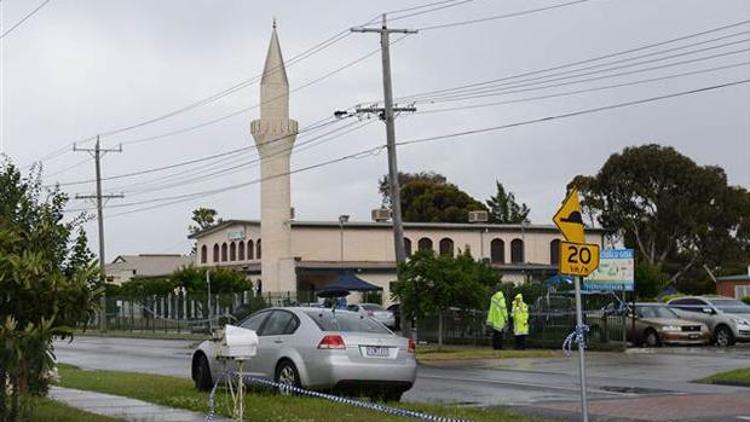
{"x": 278, "y": 341}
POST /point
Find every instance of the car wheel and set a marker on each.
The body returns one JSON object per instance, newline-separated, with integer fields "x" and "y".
{"x": 651, "y": 339}
{"x": 202, "y": 374}
{"x": 724, "y": 337}
{"x": 287, "y": 376}
{"x": 392, "y": 395}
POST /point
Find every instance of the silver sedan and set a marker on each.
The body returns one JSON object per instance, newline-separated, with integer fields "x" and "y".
{"x": 375, "y": 311}
{"x": 319, "y": 349}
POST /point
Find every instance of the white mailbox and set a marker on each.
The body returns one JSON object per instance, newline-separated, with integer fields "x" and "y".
{"x": 238, "y": 343}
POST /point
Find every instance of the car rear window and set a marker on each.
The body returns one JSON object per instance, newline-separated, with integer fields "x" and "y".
{"x": 345, "y": 322}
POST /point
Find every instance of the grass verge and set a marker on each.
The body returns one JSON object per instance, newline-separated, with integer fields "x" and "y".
{"x": 259, "y": 405}
{"x": 48, "y": 410}
{"x": 430, "y": 353}
{"x": 738, "y": 377}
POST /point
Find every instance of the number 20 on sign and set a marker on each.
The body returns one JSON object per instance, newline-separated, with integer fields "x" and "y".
{"x": 578, "y": 258}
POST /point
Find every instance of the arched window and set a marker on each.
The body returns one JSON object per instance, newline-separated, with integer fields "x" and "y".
{"x": 250, "y": 249}
{"x": 516, "y": 251}
{"x": 232, "y": 251}
{"x": 497, "y": 251}
{"x": 446, "y": 247}
{"x": 424, "y": 244}
{"x": 554, "y": 252}
{"x": 204, "y": 254}
{"x": 223, "y": 252}
{"x": 216, "y": 252}
{"x": 241, "y": 250}
{"x": 407, "y": 246}
{"x": 257, "y": 249}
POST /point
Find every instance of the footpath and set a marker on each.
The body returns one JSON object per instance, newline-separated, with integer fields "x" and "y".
{"x": 124, "y": 408}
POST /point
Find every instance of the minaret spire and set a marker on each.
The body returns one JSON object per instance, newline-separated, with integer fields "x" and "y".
{"x": 274, "y": 94}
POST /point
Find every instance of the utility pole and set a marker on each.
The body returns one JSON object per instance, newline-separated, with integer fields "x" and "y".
{"x": 97, "y": 153}
{"x": 386, "y": 114}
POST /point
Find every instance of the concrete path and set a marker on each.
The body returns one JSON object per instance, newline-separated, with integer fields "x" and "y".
{"x": 123, "y": 407}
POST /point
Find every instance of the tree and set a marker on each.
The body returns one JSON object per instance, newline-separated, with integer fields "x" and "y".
{"x": 384, "y": 186}
{"x": 676, "y": 214}
{"x": 504, "y": 209}
{"x": 48, "y": 283}
{"x": 428, "y": 197}
{"x": 429, "y": 284}
{"x": 203, "y": 218}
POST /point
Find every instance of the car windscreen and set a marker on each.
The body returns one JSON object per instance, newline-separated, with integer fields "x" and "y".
{"x": 731, "y": 306}
{"x": 656, "y": 312}
{"x": 346, "y": 322}
{"x": 372, "y": 307}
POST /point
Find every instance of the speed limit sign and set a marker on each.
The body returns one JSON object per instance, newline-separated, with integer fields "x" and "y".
{"x": 579, "y": 259}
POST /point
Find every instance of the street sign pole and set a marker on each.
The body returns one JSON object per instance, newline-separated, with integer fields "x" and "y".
{"x": 581, "y": 358}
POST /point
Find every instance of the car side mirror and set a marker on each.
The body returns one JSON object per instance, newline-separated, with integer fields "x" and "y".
{"x": 707, "y": 311}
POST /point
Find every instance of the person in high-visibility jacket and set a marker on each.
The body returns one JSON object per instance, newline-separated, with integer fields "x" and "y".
{"x": 520, "y": 313}
{"x": 497, "y": 318}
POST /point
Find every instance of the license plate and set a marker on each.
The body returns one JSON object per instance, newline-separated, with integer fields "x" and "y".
{"x": 376, "y": 351}
{"x": 694, "y": 336}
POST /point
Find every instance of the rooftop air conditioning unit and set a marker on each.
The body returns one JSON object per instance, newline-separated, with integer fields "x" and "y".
{"x": 478, "y": 216}
{"x": 381, "y": 215}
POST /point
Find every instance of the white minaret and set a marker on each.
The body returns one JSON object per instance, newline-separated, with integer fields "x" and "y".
{"x": 274, "y": 135}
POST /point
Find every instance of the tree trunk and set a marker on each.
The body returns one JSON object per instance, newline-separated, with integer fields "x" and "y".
{"x": 440, "y": 331}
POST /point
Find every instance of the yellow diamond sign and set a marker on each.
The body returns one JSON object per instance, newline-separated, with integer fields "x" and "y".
{"x": 570, "y": 220}
{"x": 578, "y": 259}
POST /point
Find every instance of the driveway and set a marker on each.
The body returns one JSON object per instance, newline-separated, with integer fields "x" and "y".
{"x": 546, "y": 386}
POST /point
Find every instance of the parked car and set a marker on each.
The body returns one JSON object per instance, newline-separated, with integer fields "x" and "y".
{"x": 318, "y": 349}
{"x": 727, "y": 318}
{"x": 375, "y": 311}
{"x": 656, "y": 324}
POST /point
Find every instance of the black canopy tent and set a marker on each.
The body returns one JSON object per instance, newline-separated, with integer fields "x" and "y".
{"x": 345, "y": 284}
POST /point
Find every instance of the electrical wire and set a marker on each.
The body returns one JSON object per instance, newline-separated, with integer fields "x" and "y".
{"x": 504, "y": 16}
{"x": 583, "y": 61}
{"x": 24, "y": 19}
{"x": 587, "y": 90}
{"x": 371, "y": 151}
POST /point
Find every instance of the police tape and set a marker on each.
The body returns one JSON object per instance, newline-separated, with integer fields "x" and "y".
{"x": 291, "y": 389}
{"x": 578, "y": 336}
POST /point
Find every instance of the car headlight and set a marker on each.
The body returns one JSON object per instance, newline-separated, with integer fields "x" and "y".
{"x": 740, "y": 321}
{"x": 671, "y": 328}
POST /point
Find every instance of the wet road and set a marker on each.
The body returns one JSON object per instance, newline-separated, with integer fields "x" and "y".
{"x": 638, "y": 373}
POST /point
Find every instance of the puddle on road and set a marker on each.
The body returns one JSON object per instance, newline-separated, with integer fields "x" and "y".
{"x": 633, "y": 390}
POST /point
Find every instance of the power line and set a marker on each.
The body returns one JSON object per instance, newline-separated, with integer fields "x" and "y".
{"x": 25, "y": 18}
{"x": 575, "y": 113}
{"x": 567, "y": 93}
{"x": 505, "y": 16}
{"x": 551, "y": 78}
{"x": 583, "y": 61}
{"x": 374, "y": 150}
{"x": 532, "y": 87}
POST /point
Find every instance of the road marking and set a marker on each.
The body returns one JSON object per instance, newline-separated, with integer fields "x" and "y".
{"x": 744, "y": 418}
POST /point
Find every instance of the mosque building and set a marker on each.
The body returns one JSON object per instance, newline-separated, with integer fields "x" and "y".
{"x": 282, "y": 254}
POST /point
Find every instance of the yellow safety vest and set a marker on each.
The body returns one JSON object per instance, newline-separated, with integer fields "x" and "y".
{"x": 497, "y": 317}
{"x": 520, "y": 318}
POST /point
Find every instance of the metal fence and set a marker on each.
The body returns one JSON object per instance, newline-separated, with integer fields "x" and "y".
{"x": 547, "y": 329}
{"x": 185, "y": 313}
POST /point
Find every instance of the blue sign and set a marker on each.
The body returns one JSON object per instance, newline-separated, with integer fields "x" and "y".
{"x": 616, "y": 271}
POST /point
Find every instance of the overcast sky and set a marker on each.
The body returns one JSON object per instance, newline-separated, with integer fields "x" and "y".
{"x": 82, "y": 67}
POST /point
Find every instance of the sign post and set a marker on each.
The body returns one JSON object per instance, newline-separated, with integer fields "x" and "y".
{"x": 579, "y": 259}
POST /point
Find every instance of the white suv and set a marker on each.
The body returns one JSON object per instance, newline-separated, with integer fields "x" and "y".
{"x": 727, "y": 318}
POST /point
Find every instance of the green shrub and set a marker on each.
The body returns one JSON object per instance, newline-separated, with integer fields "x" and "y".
{"x": 746, "y": 299}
